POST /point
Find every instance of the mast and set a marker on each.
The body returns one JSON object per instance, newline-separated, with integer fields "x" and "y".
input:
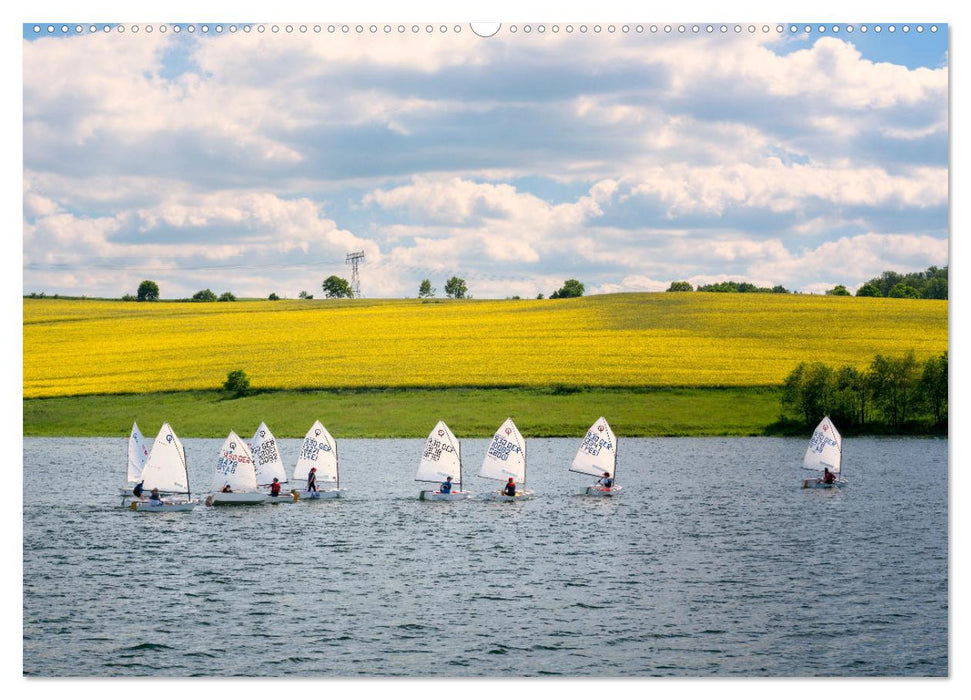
{"x": 185, "y": 463}
{"x": 459, "y": 450}
{"x": 337, "y": 465}
{"x": 524, "y": 460}
{"x": 613, "y": 476}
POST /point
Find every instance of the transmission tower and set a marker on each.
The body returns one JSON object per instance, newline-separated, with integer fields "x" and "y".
{"x": 353, "y": 259}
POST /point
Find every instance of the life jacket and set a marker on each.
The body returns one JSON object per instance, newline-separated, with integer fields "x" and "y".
{"x": 446, "y": 487}
{"x": 138, "y": 488}
{"x": 510, "y": 489}
{"x": 275, "y": 489}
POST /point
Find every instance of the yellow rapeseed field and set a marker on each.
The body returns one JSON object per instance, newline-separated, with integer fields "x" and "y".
{"x": 74, "y": 347}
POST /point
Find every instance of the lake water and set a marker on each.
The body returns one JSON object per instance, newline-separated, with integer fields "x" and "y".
{"x": 713, "y": 562}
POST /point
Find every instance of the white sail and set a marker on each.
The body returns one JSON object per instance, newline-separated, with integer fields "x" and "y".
{"x": 442, "y": 456}
{"x": 234, "y": 466}
{"x": 506, "y": 456}
{"x": 165, "y": 469}
{"x": 598, "y": 451}
{"x": 318, "y": 450}
{"x": 825, "y": 448}
{"x": 137, "y": 454}
{"x": 266, "y": 457}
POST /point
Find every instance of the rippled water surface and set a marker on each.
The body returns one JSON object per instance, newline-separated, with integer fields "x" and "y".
{"x": 713, "y": 562}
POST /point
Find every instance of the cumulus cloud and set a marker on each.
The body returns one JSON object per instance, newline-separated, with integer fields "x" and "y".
{"x": 623, "y": 160}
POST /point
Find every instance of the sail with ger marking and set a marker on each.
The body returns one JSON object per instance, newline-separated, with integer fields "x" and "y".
{"x": 266, "y": 457}
{"x": 825, "y": 448}
{"x": 137, "y": 454}
{"x": 234, "y": 466}
{"x": 506, "y": 456}
{"x": 319, "y": 450}
{"x": 165, "y": 469}
{"x": 441, "y": 458}
{"x": 598, "y": 451}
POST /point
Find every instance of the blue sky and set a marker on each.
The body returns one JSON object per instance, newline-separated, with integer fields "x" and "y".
{"x": 253, "y": 162}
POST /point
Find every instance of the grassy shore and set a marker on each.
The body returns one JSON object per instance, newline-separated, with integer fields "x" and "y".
{"x": 550, "y": 412}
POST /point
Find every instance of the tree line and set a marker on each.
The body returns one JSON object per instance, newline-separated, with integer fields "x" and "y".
{"x": 929, "y": 284}
{"x": 899, "y": 393}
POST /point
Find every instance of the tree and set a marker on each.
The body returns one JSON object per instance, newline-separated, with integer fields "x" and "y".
{"x": 933, "y": 387}
{"x": 455, "y": 288}
{"x": 893, "y": 381}
{"x": 127, "y": 297}
{"x": 868, "y": 290}
{"x": 681, "y": 287}
{"x": 779, "y": 289}
{"x": 236, "y": 382}
{"x": 227, "y": 296}
{"x": 540, "y": 295}
{"x": 936, "y": 288}
{"x": 148, "y": 291}
{"x": 902, "y": 290}
{"x": 304, "y": 295}
{"x": 838, "y": 291}
{"x": 337, "y": 288}
{"x": 426, "y": 290}
{"x": 204, "y": 295}
{"x": 808, "y": 390}
{"x": 273, "y": 297}
{"x": 570, "y": 288}
{"x": 850, "y": 396}
{"x": 887, "y": 281}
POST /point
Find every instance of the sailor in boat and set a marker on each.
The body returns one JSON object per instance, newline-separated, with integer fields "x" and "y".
{"x": 275, "y": 487}
{"x": 605, "y": 482}
{"x": 227, "y": 489}
{"x": 446, "y": 486}
{"x": 828, "y": 476}
{"x": 312, "y": 480}
{"x": 155, "y": 498}
{"x": 510, "y": 488}
{"x": 139, "y": 490}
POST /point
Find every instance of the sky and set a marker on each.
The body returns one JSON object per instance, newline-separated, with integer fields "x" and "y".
{"x": 254, "y": 162}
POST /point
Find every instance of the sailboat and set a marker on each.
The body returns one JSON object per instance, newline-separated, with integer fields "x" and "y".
{"x": 319, "y": 452}
{"x": 269, "y": 465}
{"x": 441, "y": 459}
{"x": 825, "y": 451}
{"x": 166, "y": 471}
{"x": 505, "y": 458}
{"x": 234, "y": 469}
{"x": 598, "y": 456}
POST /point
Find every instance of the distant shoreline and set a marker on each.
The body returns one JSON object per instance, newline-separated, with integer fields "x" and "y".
{"x": 558, "y": 411}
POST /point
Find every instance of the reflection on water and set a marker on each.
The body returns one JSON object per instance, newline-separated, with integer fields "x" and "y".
{"x": 712, "y": 562}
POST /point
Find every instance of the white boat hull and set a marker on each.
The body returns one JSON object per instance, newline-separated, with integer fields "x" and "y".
{"x": 245, "y": 498}
{"x": 149, "y": 507}
{"x": 127, "y": 495}
{"x": 284, "y": 497}
{"x": 818, "y": 484}
{"x": 321, "y": 495}
{"x": 600, "y": 491}
{"x": 439, "y": 496}
{"x": 500, "y": 496}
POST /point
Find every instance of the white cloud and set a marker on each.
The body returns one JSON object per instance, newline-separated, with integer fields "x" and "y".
{"x": 520, "y": 160}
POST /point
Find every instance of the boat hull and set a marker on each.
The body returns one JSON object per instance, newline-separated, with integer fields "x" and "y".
{"x": 248, "y": 498}
{"x": 327, "y": 494}
{"x": 438, "y": 496}
{"x": 284, "y": 497}
{"x": 818, "y": 484}
{"x": 500, "y": 496}
{"x": 600, "y": 491}
{"x": 147, "y": 507}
